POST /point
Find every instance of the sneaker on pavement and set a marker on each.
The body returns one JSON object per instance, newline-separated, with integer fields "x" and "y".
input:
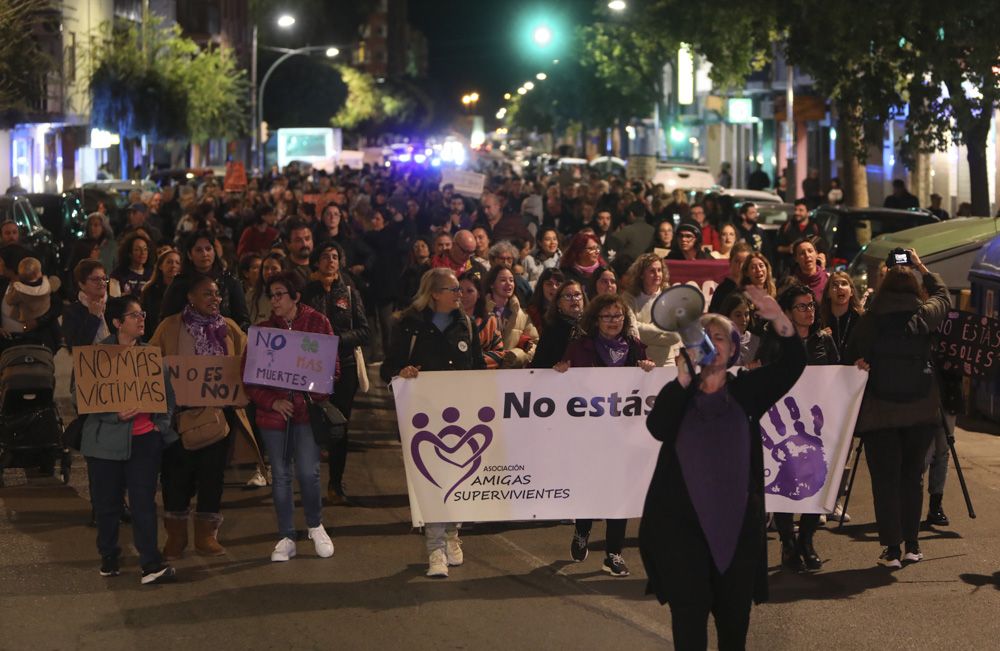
{"x": 320, "y": 538}
{"x": 614, "y": 565}
{"x": 437, "y": 564}
{"x": 839, "y": 514}
{"x": 578, "y": 548}
{"x": 453, "y": 551}
{"x": 159, "y": 573}
{"x": 257, "y": 481}
{"x": 284, "y": 550}
{"x": 890, "y": 557}
{"x": 109, "y": 566}
{"x": 913, "y": 553}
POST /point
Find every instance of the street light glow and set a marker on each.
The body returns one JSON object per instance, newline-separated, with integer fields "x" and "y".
{"x": 541, "y": 76}
{"x": 474, "y": 97}
{"x": 286, "y": 21}
{"x": 466, "y": 99}
{"x": 506, "y": 96}
{"x": 332, "y": 52}
{"x": 617, "y": 5}
{"x": 529, "y": 85}
{"x": 522, "y": 90}
{"x": 542, "y": 35}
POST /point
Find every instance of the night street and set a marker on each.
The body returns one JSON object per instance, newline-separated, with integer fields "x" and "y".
{"x": 518, "y": 588}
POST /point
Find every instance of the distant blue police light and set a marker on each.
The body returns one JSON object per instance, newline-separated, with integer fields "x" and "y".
{"x": 419, "y": 159}
{"x": 404, "y": 158}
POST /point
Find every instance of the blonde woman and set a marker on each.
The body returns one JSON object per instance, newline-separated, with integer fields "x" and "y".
{"x": 645, "y": 280}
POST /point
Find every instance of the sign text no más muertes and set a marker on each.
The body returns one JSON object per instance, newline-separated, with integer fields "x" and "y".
{"x": 291, "y": 359}
{"x": 523, "y": 445}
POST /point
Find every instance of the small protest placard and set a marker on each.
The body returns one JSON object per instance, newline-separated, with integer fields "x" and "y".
{"x": 469, "y": 184}
{"x": 236, "y": 177}
{"x": 206, "y": 380}
{"x": 290, "y": 359}
{"x": 119, "y": 378}
{"x": 969, "y": 344}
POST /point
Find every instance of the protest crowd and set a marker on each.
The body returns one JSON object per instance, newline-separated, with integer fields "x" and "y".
{"x": 535, "y": 272}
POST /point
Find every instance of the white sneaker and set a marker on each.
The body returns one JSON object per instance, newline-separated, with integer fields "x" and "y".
{"x": 453, "y": 550}
{"x": 839, "y": 514}
{"x": 437, "y": 564}
{"x": 320, "y": 538}
{"x": 284, "y": 550}
{"x": 257, "y": 481}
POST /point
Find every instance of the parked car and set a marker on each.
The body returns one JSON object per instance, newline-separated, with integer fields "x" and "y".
{"x": 32, "y": 234}
{"x": 948, "y": 248}
{"x": 607, "y": 166}
{"x": 190, "y": 175}
{"x": 685, "y": 176}
{"x": 847, "y": 230}
{"x": 63, "y": 215}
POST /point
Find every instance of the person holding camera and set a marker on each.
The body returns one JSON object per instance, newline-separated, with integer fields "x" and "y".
{"x": 900, "y": 412}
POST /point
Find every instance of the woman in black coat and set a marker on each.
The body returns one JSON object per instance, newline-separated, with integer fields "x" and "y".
{"x": 561, "y": 324}
{"x": 332, "y": 296}
{"x": 198, "y": 256}
{"x": 702, "y": 536}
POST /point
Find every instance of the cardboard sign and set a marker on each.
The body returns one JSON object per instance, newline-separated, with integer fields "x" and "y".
{"x": 469, "y": 184}
{"x": 291, "y": 359}
{"x": 206, "y": 380}
{"x": 969, "y": 344}
{"x": 119, "y": 378}
{"x": 236, "y": 177}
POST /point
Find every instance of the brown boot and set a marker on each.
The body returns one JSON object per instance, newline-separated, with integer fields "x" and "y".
{"x": 176, "y": 525}
{"x": 206, "y": 530}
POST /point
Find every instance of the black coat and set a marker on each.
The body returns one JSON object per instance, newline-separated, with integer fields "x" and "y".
{"x": 416, "y": 341}
{"x": 343, "y": 307}
{"x": 673, "y": 548}
{"x": 553, "y": 343}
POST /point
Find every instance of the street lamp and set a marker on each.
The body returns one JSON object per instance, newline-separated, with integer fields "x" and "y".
{"x": 541, "y": 76}
{"x": 285, "y": 21}
{"x": 330, "y": 50}
{"x": 529, "y": 85}
{"x": 522, "y": 90}
{"x": 617, "y": 5}
{"x": 542, "y": 35}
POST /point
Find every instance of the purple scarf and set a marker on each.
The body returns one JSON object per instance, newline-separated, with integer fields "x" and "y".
{"x": 209, "y": 332}
{"x": 612, "y": 352}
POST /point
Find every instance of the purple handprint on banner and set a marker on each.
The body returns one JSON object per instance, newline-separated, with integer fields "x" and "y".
{"x": 802, "y": 468}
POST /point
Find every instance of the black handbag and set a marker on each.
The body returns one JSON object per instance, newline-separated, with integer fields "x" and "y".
{"x": 73, "y": 434}
{"x": 328, "y": 423}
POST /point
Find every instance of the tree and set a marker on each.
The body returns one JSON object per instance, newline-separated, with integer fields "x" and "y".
{"x": 371, "y": 107}
{"x": 217, "y": 95}
{"x": 24, "y": 64}
{"x": 951, "y": 59}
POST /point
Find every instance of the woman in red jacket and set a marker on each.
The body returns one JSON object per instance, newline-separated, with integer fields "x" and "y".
{"x": 284, "y": 414}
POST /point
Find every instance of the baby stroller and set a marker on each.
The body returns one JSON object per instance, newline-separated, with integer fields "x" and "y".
{"x": 31, "y": 430}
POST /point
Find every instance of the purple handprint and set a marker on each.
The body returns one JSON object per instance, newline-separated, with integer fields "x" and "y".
{"x": 801, "y": 466}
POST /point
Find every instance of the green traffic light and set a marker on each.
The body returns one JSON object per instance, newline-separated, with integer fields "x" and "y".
{"x": 542, "y": 35}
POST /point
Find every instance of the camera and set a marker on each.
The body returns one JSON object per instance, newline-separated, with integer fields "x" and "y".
{"x": 898, "y": 257}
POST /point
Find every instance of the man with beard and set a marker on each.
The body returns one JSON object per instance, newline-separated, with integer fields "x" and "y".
{"x": 300, "y": 247}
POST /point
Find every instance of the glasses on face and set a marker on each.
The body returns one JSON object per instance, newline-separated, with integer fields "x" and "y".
{"x": 454, "y": 290}
{"x": 506, "y": 259}
{"x": 572, "y": 298}
{"x": 278, "y": 295}
{"x": 804, "y": 307}
{"x": 593, "y": 249}
{"x": 135, "y": 315}
{"x": 611, "y": 318}
{"x": 98, "y": 279}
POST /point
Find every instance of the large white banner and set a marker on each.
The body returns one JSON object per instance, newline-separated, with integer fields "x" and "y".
{"x": 525, "y": 445}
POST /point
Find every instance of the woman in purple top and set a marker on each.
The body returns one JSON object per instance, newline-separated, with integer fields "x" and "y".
{"x": 606, "y": 342}
{"x": 702, "y": 535}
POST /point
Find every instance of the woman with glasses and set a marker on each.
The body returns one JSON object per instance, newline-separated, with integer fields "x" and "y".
{"x": 562, "y": 319}
{"x": 798, "y": 303}
{"x": 123, "y": 451}
{"x": 84, "y": 323}
{"x": 283, "y": 419}
{"x": 333, "y": 295}
{"x": 582, "y": 257}
{"x": 434, "y": 334}
{"x": 200, "y": 329}
{"x": 646, "y": 279}
{"x": 687, "y": 244}
{"x": 606, "y": 342}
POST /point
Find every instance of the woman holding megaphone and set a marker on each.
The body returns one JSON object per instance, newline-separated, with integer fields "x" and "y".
{"x": 702, "y": 537}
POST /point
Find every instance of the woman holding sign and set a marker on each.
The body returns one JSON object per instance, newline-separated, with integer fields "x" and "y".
{"x": 607, "y": 342}
{"x": 283, "y": 419}
{"x": 195, "y": 467}
{"x": 123, "y": 452}
{"x": 702, "y": 536}
{"x": 433, "y": 334}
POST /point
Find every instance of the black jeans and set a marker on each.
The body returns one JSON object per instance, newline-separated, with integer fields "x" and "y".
{"x": 730, "y": 605}
{"x": 187, "y": 473}
{"x": 614, "y": 534}
{"x": 343, "y": 399}
{"x": 108, "y": 482}
{"x": 896, "y": 464}
{"x": 785, "y": 523}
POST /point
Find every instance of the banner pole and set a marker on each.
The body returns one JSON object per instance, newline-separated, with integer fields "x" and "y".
{"x": 850, "y": 483}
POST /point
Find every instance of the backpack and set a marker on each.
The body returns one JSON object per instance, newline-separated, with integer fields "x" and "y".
{"x": 900, "y": 359}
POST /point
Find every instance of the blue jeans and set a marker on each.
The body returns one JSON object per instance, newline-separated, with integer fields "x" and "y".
{"x": 305, "y": 453}
{"x": 108, "y": 482}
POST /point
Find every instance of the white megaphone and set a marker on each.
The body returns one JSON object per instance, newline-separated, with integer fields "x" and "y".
{"x": 679, "y": 309}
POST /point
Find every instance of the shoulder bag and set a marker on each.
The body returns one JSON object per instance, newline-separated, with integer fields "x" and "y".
{"x": 327, "y": 422}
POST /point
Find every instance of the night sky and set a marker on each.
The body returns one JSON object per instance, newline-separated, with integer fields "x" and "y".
{"x": 483, "y": 45}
